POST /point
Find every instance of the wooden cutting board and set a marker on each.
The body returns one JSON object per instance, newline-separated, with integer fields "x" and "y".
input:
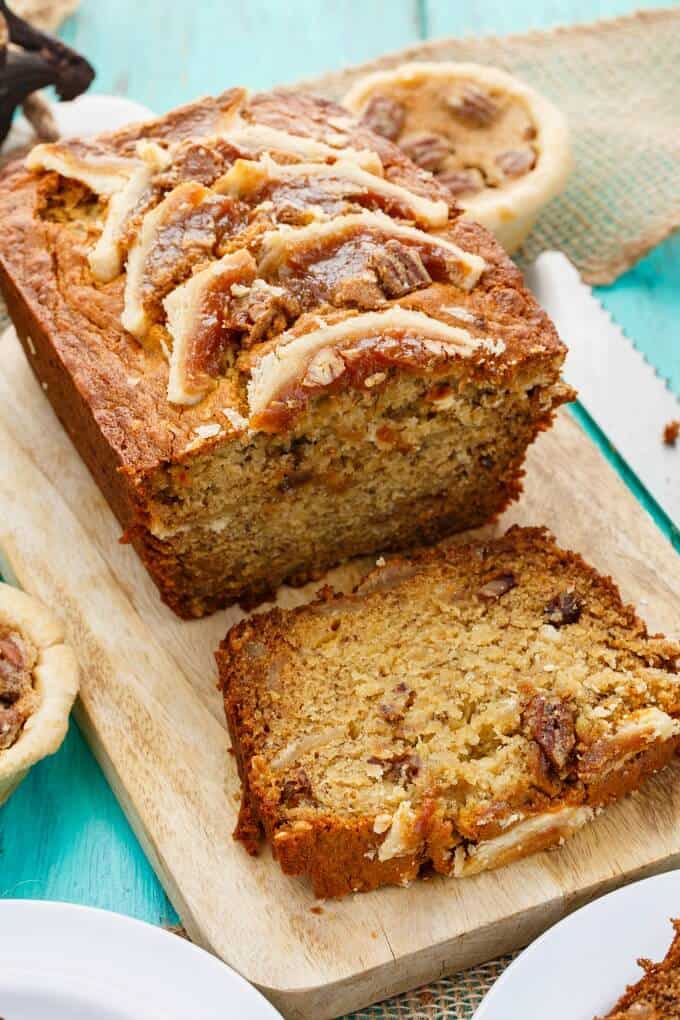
{"x": 152, "y": 714}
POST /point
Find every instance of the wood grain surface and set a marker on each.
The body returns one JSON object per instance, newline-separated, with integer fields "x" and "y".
{"x": 152, "y": 714}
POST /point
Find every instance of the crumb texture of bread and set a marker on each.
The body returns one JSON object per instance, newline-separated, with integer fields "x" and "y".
{"x": 273, "y": 340}
{"x": 656, "y": 996}
{"x": 460, "y": 709}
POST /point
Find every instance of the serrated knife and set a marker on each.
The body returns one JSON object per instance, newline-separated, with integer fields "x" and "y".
{"x": 619, "y": 389}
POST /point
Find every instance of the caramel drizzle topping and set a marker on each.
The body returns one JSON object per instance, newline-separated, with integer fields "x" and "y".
{"x": 278, "y": 243}
{"x": 247, "y": 177}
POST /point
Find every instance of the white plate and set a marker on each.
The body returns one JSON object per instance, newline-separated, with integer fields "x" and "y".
{"x": 65, "y": 962}
{"x": 86, "y": 115}
{"x": 579, "y": 968}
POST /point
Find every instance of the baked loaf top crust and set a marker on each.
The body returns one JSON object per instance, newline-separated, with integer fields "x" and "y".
{"x": 459, "y": 710}
{"x": 212, "y": 271}
{"x": 38, "y": 684}
{"x": 656, "y": 996}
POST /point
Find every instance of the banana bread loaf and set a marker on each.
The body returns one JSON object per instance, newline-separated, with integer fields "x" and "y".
{"x": 460, "y": 710}
{"x": 273, "y": 341}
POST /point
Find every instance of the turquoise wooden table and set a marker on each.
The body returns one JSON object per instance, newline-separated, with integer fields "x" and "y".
{"x": 63, "y": 835}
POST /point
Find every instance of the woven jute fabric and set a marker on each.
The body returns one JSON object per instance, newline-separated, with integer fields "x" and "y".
{"x": 454, "y": 998}
{"x": 45, "y": 14}
{"x": 618, "y": 83}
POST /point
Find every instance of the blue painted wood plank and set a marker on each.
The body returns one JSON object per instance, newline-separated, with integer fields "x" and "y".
{"x": 163, "y": 54}
{"x": 646, "y": 303}
{"x": 63, "y": 836}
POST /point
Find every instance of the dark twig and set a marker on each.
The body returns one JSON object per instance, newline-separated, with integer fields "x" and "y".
{"x": 31, "y": 60}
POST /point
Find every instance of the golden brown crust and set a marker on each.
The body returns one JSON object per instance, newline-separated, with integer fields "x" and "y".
{"x": 578, "y": 766}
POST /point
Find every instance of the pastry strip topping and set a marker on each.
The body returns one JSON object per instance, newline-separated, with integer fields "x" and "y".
{"x": 247, "y": 179}
{"x": 259, "y": 138}
{"x": 101, "y": 170}
{"x": 180, "y": 232}
{"x": 320, "y": 356}
{"x": 105, "y": 259}
{"x": 200, "y": 326}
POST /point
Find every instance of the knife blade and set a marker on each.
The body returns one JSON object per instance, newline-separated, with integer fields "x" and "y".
{"x": 619, "y": 389}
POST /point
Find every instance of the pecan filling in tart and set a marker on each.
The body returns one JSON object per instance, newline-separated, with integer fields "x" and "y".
{"x": 499, "y": 148}
{"x": 38, "y": 685}
{"x": 18, "y": 698}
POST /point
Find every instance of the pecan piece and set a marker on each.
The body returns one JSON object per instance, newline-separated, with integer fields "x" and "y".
{"x": 462, "y": 182}
{"x": 498, "y": 586}
{"x": 671, "y": 432}
{"x": 516, "y": 162}
{"x": 263, "y": 313}
{"x": 551, "y": 723}
{"x": 474, "y": 107}
{"x": 296, "y": 789}
{"x": 399, "y": 269}
{"x": 11, "y": 721}
{"x": 325, "y": 367}
{"x": 543, "y": 776}
{"x": 399, "y": 768}
{"x": 385, "y": 116}
{"x": 564, "y": 608}
{"x": 10, "y": 651}
{"x": 428, "y": 151}
{"x": 392, "y": 713}
{"x": 361, "y": 291}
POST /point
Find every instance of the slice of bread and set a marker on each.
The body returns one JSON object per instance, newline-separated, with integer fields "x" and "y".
{"x": 459, "y": 710}
{"x": 656, "y": 996}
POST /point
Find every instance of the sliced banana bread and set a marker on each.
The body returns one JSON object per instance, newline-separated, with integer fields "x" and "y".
{"x": 273, "y": 340}
{"x": 459, "y": 710}
{"x": 656, "y": 996}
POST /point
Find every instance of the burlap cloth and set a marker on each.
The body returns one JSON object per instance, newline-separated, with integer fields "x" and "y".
{"x": 453, "y": 998}
{"x": 619, "y": 83}
{"x": 45, "y": 14}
